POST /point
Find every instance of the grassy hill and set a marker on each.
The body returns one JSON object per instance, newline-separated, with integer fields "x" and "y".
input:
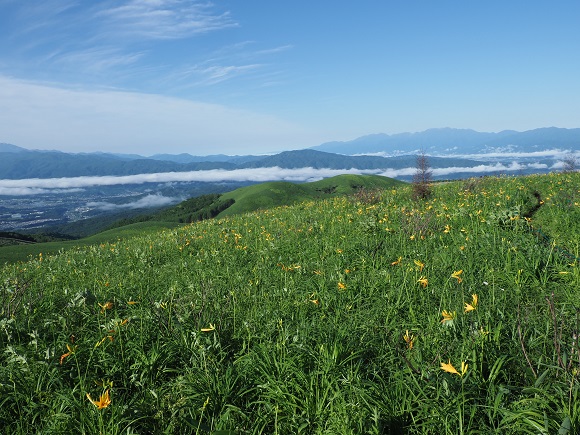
{"x": 265, "y": 195}
{"x": 278, "y": 193}
{"x": 359, "y": 314}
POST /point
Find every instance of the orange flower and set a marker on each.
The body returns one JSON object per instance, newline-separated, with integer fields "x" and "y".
{"x": 341, "y": 286}
{"x": 71, "y": 350}
{"x": 396, "y": 263}
{"x": 103, "y": 402}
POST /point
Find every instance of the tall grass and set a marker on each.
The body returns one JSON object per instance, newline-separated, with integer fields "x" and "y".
{"x": 323, "y": 317}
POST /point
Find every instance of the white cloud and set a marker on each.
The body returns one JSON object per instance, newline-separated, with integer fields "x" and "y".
{"x": 148, "y": 201}
{"x": 258, "y": 175}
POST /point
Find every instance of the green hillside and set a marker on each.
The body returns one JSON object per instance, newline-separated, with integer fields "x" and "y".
{"x": 242, "y": 200}
{"x": 278, "y": 193}
{"x": 368, "y": 314}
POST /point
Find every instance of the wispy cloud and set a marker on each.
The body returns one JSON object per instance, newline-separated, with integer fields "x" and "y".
{"x": 164, "y": 19}
{"x": 217, "y": 73}
{"x": 68, "y": 36}
{"x": 98, "y": 59}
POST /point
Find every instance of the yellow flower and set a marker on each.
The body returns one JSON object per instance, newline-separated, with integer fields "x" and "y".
{"x": 106, "y": 306}
{"x": 448, "y": 367}
{"x": 473, "y": 305}
{"x": 341, "y": 286}
{"x": 211, "y": 328}
{"x": 421, "y": 265}
{"x": 103, "y": 402}
{"x": 448, "y": 316}
{"x": 396, "y": 263}
{"x": 457, "y": 276}
{"x": 409, "y": 339}
{"x": 423, "y": 281}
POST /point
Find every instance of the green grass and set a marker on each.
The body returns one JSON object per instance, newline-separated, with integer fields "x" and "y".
{"x": 247, "y": 199}
{"x": 283, "y": 193}
{"x": 16, "y": 253}
{"x": 320, "y": 317}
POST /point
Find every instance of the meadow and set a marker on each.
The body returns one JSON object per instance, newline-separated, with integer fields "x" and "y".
{"x": 366, "y": 314}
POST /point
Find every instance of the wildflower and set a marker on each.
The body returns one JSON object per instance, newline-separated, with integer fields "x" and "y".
{"x": 457, "y": 276}
{"x": 71, "y": 350}
{"x": 341, "y": 285}
{"x": 101, "y": 341}
{"x": 473, "y": 305}
{"x": 423, "y": 281}
{"x": 409, "y": 339}
{"x": 448, "y": 316}
{"x": 211, "y": 328}
{"x": 448, "y": 367}
{"x": 106, "y": 306}
{"x": 103, "y": 402}
{"x": 420, "y": 265}
{"x": 396, "y": 263}
{"x": 447, "y": 229}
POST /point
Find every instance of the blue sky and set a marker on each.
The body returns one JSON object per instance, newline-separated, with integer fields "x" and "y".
{"x": 248, "y": 76}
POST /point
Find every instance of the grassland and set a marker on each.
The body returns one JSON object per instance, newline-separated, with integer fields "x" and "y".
{"x": 362, "y": 314}
{"x": 242, "y": 200}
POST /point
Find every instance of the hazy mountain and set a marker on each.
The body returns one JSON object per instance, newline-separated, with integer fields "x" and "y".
{"x": 9, "y": 148}
{"x": 51, "y": 164}
{"x": 188, "y": 158}
{"x": 319, "y": 160}
{"x": 442, "y": 141}
{"x": 441, "y": 145}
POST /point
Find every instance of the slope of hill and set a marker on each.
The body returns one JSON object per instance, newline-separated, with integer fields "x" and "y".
{"x": 343, "y": 316}
{"x": 242, "y": 200}
{"x": 277, "y": 193}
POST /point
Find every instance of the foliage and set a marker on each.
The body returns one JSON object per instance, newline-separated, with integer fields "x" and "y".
{"x": 362, "y": 314}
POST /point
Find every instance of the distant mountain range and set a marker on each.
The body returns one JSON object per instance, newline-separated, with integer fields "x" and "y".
{"x": 445, "y": 147}
{"x": 445, "y": 141}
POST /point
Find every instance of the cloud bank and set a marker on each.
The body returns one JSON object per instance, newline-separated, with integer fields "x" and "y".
{"x": 36, "y": 186}
{"x": 148, "y": 201}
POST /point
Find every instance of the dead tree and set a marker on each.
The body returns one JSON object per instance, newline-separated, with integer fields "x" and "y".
{"x": 422, "y": 178}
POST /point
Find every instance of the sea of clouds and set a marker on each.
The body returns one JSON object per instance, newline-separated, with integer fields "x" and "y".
{"x": 39, "y": 186}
